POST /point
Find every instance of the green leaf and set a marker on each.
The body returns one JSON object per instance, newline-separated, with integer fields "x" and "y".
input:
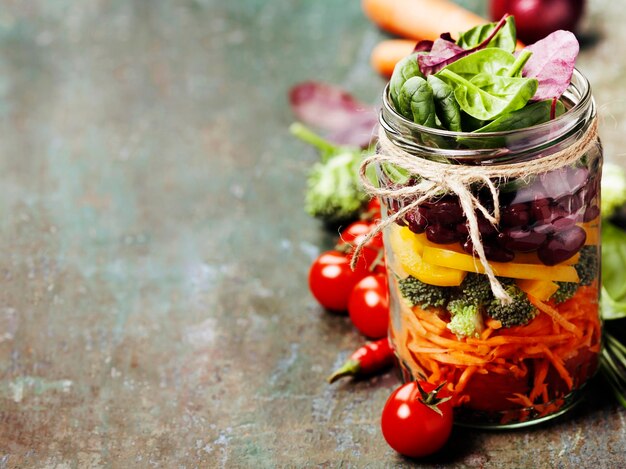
{"x": 326, "y": 148}
{"x": 416, "y": 101}
{"x": 488, "y": 96}
{"x": 505, "y": 39}
{"x": 405, "y": 69}
{"x": 396, "y": 174}
{"x": 446, "y": 107}
{"x": 613, "y": 265}
{"x": 518, "y": 66}
{"x": 532, "y": 114}
{"x": 489, "y": 61}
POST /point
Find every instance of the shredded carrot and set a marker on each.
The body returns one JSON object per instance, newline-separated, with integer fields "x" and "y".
{"x": 464, "y": 379}
{"x": 486, "y": 333}
{"x": 541, "y": 371}
{"x": 431, "y": 318}
{"x": 522, "y": 400}
{"x": 554, "y": 314}
{"x": 558, "y": 365}
{"x": 555, "y": 336}
{"x": 493, "y": 323}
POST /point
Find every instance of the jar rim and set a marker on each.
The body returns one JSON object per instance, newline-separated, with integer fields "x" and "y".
{"x": 402, "y": 131}
{"x": 577, "y": 77}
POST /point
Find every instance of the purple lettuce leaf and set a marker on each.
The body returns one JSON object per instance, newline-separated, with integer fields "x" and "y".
{"x": 423, "y": 46}
{"x": 552, "y": 64}
{"x": 328, "y": 107}
{"x": 445, "y": 51}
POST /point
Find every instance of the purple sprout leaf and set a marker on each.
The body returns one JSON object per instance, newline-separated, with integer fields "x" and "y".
{"x": 328, "y": 107}
{"x": 427, "y": 46}
{"x": 445, "y": 51}
{"x": 442, "y": 52}
{"x": 552, "y": 64}
{"x": 423, "y": 46}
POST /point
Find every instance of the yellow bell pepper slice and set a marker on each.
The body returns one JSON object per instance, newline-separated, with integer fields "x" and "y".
{"x": 408, "y": 251}
{"x": 455, "y": 260}
{"x": 540, "y": 289}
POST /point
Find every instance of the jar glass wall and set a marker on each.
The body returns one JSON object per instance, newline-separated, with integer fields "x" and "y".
{"x": 506, "y": 365}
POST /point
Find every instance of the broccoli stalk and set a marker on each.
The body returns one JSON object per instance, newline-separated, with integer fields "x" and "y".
{"x": 334, "y": 191}
{"x": 466, "y": 319}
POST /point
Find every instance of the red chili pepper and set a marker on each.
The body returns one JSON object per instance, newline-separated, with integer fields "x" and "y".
{"x": 368, "y": 359}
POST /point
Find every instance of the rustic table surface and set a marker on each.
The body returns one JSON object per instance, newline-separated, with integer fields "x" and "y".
{"x": 154, "y": 310}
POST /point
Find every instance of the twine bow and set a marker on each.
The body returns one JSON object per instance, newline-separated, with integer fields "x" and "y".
{"x": 439, "y": 178}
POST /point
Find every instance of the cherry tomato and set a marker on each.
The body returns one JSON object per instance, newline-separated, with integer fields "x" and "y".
{"x": 535, "y": 19}
{"x": 357, "y": 231}
{"x": 411, "y": 427}
{"x": 373, "y": 210}
{"x": 331, "y": 279}
{"x": 369, "y": 306}
{"x": 372, "y": 253}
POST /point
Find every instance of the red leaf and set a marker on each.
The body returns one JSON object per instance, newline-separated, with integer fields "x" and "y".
{"x": 328, "y": 107}
{"x": 552, "y": 64}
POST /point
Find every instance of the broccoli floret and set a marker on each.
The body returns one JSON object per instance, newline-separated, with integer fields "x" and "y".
{"x": 334, "y": 191}
{"x": 422, "y": 294}
{"x": 476, "y": 289}
{"x": 565, "y": 292}
{"x": 466, "y": 308}
{"x": 466, "y": 319}
{"x": 587, "y": 266}
{"x": 518, "y": 313}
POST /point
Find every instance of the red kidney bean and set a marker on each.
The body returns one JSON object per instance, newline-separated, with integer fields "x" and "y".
{"x": 577, "y": 178}
{"x": 441, "y": 234}
{"x": 515, "y": 215}
{"x": 544, "y": 228}
{"x": 462, "y": 229}
{"x": 445, "y": 211}
{"x": 484, "y": 226}
{"x": 493, "y": 252}
{"x": 521, "y": 239}
{"x": 562, "y": 245}
{"x": 591, "y": 213}
{"x": 540, "y": 210}
{"x": 563, "y": 181}
{"x": 571, "y": 203}
{"x": 563, "y": 223}
{"x": 416, "y": 222}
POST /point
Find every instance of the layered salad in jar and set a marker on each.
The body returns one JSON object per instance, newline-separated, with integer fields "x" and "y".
{"x": 505, "y": 362}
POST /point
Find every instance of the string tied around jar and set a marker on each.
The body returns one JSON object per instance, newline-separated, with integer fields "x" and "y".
{"x": 437, "y": 179}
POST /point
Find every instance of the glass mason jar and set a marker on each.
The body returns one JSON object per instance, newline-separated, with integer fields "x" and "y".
{"x": 505, "y": 365}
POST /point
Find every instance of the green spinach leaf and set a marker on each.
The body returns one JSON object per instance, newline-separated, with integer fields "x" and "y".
{"x": 405, "y": 69}
{"x": 416, "y": 101}
{"x": 505, "y": 39}
{"x": 490, "y": 61}
{"x": 532, "y": 114}
{"x": 446, "y": 107}
{"x": 488, "y": 96}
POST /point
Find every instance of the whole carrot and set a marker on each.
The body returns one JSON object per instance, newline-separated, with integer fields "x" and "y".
{"x": 388, "y": 53}
{"x": 366, "y": 360}
{"x": 420, "y": 19}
